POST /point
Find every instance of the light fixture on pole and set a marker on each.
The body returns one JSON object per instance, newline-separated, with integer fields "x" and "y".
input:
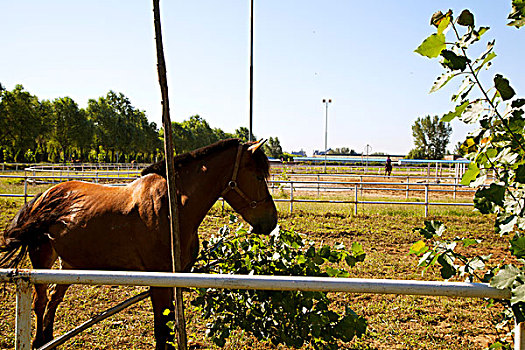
{"x": 326, "y": 103}
{"x": 368, "y": 148}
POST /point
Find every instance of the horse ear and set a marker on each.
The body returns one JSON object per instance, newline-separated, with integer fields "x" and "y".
{"x": 256, "y": 146}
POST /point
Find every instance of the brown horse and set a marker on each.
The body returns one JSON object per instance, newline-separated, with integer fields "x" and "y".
{"x": 91, "y": 226}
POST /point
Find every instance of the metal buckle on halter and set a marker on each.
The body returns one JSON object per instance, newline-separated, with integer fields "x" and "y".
{"x": 232, "y": 184}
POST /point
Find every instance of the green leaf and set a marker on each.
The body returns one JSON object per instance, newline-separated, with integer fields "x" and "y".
{"x": 471, "y": 174}
{"x": 502, "y": 85}
{"x": 453, "y": 61}
{"x": 466, "y": 86}
{"x": 467, "y": 242}
{"x": 520, "y": 174}
{"x": 517, "y": 247}
{"x": 518, "y": 294}
{"x": 441, "y": 81}
{"x": 505, "y": 277}
{"x": 418, "y": 248}
{"x": 486, "y": 56}
{"x": 473, "y": 112}
{"x": 494, "y": 193}
{"x": 357, "y": 249}
{"x": 444, "y": 22}
{"x": 517, "y": 16}
{"x": 432, "y": 46}
{"x": 456, "y": 113}
{"x": 432, "y": 228}
{"x": 447, "y": 269}
{"x": 518, "y": 103}
{"x": 466, "y": 18}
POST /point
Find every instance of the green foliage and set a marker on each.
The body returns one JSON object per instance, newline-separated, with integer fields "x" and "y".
{"x": 517, "y": 16}
{"x": 243, "y": 133}
{"x": 273, "y": 149}
{"x": 431, "y": 138}
{"x": 497, "y": 146}
{"x": 292, "y": 318}
{"x": 195, "y": 133}
{"x": 109, "y": 129}
{"x": 433, "y": 251}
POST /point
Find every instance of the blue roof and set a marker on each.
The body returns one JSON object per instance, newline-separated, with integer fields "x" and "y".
{"x": 343, "y": 159}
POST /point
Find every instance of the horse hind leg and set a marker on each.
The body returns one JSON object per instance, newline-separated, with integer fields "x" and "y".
{"x": 42, "y": 257}
{"x": 56, "y": 296}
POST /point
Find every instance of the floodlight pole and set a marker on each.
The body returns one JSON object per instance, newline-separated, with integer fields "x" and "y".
{"x": 251, "y": 71}
{"x": 171, "y": 179}
{"x": 326, "y": 102}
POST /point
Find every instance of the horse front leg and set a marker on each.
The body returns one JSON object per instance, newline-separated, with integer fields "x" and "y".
{"x": 162, "y": 299}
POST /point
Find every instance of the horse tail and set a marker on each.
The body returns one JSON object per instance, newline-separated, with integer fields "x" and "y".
{"x": 22, "y": 231}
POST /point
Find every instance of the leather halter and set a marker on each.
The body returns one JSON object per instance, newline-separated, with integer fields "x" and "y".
{"x": 232, "y": 184}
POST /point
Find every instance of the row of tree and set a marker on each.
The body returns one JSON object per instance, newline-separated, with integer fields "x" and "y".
{"x": 110, "y": 129}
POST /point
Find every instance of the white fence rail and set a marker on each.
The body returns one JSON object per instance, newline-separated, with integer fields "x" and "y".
{"x": 352, "y": 188}
{"x": 23, "y": 279}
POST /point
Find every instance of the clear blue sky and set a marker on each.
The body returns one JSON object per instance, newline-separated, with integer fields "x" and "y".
{"x": 359, "y": 53}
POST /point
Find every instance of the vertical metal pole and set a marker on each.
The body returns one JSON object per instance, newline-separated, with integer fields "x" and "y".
{"x": 455, "y": 186}
{"x": 325, "y": 132}
{"x": 426, "y": 200}
{"x": 355, "y": 206}
{"x": 25, "y": 190}
{"x": 291, "y": 197}
{"x": 519, "y": 336}
{"x": 318, "y": 185}
{"x": 251, "y": 69}
{"x": 408, "y": 187}
{"x": 23, "y": 315}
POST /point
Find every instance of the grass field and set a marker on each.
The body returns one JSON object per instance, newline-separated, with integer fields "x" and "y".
{"x": 395, "y": 322}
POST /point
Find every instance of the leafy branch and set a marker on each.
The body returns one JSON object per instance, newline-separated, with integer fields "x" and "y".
{"x": 292, "y": 318}
{"x": 497, "y": 144}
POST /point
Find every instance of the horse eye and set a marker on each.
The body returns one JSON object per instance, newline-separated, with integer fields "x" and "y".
{"x": 260, "y": 178}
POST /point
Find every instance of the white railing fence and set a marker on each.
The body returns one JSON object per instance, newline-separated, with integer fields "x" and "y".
{"x": 352, "y": 189}
{"x": 25, "y": 278}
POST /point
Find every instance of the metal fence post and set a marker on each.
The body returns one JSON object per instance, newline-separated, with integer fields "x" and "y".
{"x": 408, "y": 186}
{"x": 426, "y": 200}
{"x": 291, "y": 197}
{"x": 25, "y": 189}
{"x": 361, "y": 185}
{"x": 23, "y": 315}
{"x": 318, "y": 185}
{"x": 355, "y": 206}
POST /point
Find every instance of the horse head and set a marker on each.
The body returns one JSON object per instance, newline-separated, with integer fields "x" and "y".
{"x": 247, "y": 190}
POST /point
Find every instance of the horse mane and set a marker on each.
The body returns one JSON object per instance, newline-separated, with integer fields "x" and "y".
{"x": 159, "y": 168}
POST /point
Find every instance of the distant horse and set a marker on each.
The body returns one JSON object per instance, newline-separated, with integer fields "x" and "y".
{"x": 96, "y": 227}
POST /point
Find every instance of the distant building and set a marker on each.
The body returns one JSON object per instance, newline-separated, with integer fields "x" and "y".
{"x": 300, "y": 153}
{"x": 321, "y": 153}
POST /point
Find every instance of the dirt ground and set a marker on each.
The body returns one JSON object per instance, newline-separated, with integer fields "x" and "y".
{"x": 394, "y": 321}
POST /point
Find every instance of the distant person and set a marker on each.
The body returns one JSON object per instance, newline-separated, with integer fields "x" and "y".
{"x": 388, "y": 166}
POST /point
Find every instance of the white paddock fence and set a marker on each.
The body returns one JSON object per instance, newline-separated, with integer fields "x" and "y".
{"x": 352, "y": 190}
{"x": 25, "y": 278}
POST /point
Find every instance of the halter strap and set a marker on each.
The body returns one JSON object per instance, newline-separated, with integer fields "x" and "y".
{"x": 232, "y": 184}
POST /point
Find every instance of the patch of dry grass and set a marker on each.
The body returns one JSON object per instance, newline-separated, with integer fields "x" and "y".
{"x": 395, "y": 322}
